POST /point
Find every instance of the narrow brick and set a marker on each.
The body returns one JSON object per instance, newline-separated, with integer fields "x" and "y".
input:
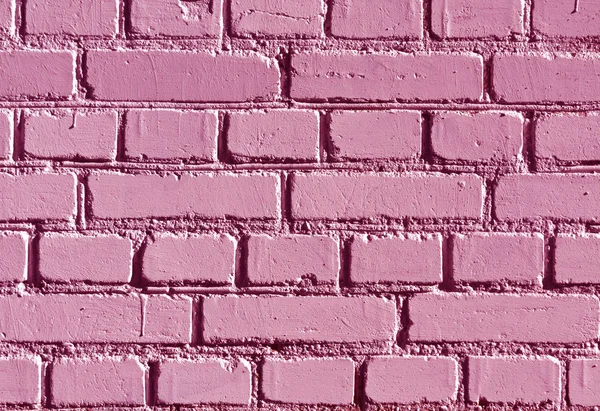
{"x": 577, "y": 259}
{"x": 72, "y": 17}
{"x": 7, "y": 17}
{"x": 13, "y": 257}
{"x": 560, "y": 18}
{"x": 568, "y": 137}
{"x": 584, "y": 378}
{"x": 6, "y": 134}
{"x": 20, "y": 380}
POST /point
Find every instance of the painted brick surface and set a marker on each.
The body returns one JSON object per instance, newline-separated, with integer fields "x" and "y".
{"x": 13, "y": 256}
{"x": 20, "y": 380}
{"x": 6, "y": 134}
{"x": 583, "y": 378}
{"x": 554, "y": 137}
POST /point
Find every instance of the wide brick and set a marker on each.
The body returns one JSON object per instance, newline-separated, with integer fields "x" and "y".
{"x": 71, "y": 134}
{"x": 291, "y": 259}
{"x": 204, "y": 382}
{"x": 377, "y": 19}
{"x": 250, "y": 18}
{"x": 480, "y": 136}
{"x": 498, "y": 257}
{"x": 37, "y": 197}
{"x": 309, "y": 381}
{"x": 108, "y": 381}
{"x": 171, "y": 135}
{"x": 20, "y": 380}
{"x": 179, "y": 76}
{"x": 561, "y": 18}
{"x": 6, "y": 135}
{"x": 368, "y": 196}
{"x": 514, "y": 379}
{"x": 569, "y": 137}
{"x": 583, "y": 381}
{"x": 7, "y": 17}
{"x": 173, "y": 18}
{"x": 273, "y": 135}
{"x": 409, "y": 259}
{"x": 205, "y": 195}
{"x": 577, "y": 259}
{"x": 190, "y": 259}
{"x": 477, "y": 18}
{"x": 404, "y": 380}
{"x": 572, "y": 196}
{"x": 386, "y": 77}
{"x": 67, "y": 258}
{"x": 521, "y": 78}
{"x": 524, "y": 318}
{"x": 37, "y": 73}
{"x": 13, "y": 257}
{"x": 358, "y": 135}
{"x": 91, "y": 318}
{"x": 72, "y": 17}
{"x": 298, "y": 319}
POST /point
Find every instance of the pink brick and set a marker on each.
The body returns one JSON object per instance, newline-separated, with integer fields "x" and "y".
{"x": 370, "y": 196}
{"x": 6, "y": 135}
{"x": 487, "y": 257}
{"x": 298, "y": 319}
{"x": 377, "y": 19}
{"x": 382, "y": 77}
{"x": 280, "y": 260}
{"x": 584, "y": 378}
{"x": 375, "y": 135}
{"x": 171, "y": 134}
{"x": 577, "y": 259}
{"x": 572, "y": 196}
{"x": 405, "y": 380}
{"x": 409, "y": 259}
{"x": 71, "y": 134}
{"x": 107, "y": 381}
{"x": 546, "y": 77}
{"x": 37, "y": 197}
{"x": 277, "y": 18}
{"x": 13, "y": 257}
{"x": 204, "y": 382}
{"x": 213, "y": 196}
{"x": 309, "y": 381}
{"x": 93, "y": 318}
{"x": 480, "y": 136}
{"x": 514, "y": 379}
{"x": 570, "y": 137}
{"x": 20, "y": 380}
{"x": 85, "y": 258}
{"x": 477, "y": 18}
{"x": 527, "y": 318}
{"x": 37, "y": 73}
{"x": 172, "y": 18}
{"x": 180, "y": 76}
{"x": 7, "y": 17}
{"x": 273, "y": 135}
{"x": 559, "y": 18}
{"x": 190, "y": 259}
{"x": 72, "y": 17}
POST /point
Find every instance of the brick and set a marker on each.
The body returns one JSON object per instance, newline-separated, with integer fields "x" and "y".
{"x": 108, "y": 381}
{"x": 359, "y": 135}
{"x": 514, "y": 379}
{"x": 480, "y": 136}
{"x": 379, "y": 77}
{"x": 477, "y": 18}
{"x": 577, "y": 259}
{"x": 6, "y": 135}
{"x": 572, "y": 196}
{"x": 484, "y": 257}
{"x": 37, "y": 73}
{"x": 204, "y": 382}
{"x": 291, "y": 259}
{"x": 175, "y": 18}
{"x": 71, "y": 134}
{"x": 251, "y": 18}
{"x": 568, "y": 137}
{"x": 67, "y": 258}
{"x": 409, "y": 259}
{"x": 298, "y": 319}
{"x": 526, "y": 318}
{"x": 20, "y": 380}
{"x": 364, "y": 19}
{"x": 560, "y": 18}
{"x": 273, "y": 135}
{"x": 171, "y": 134}
{"x": 151, "y": 75}
{"x": 405, "y": 380}
{"x": 72, "y": 17}
{"x": 369, "y": 196}
{"x": 190, "y": 259}
{"x": 93, "y": 318}
{"x": 584, "y": 377}
{"x": 308, "y": 381}
{"x": 7, "y": 17}
{"x": 538, "y": 78}
{"x": 13, "y": 257}
{"x": 37, "y": 197}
